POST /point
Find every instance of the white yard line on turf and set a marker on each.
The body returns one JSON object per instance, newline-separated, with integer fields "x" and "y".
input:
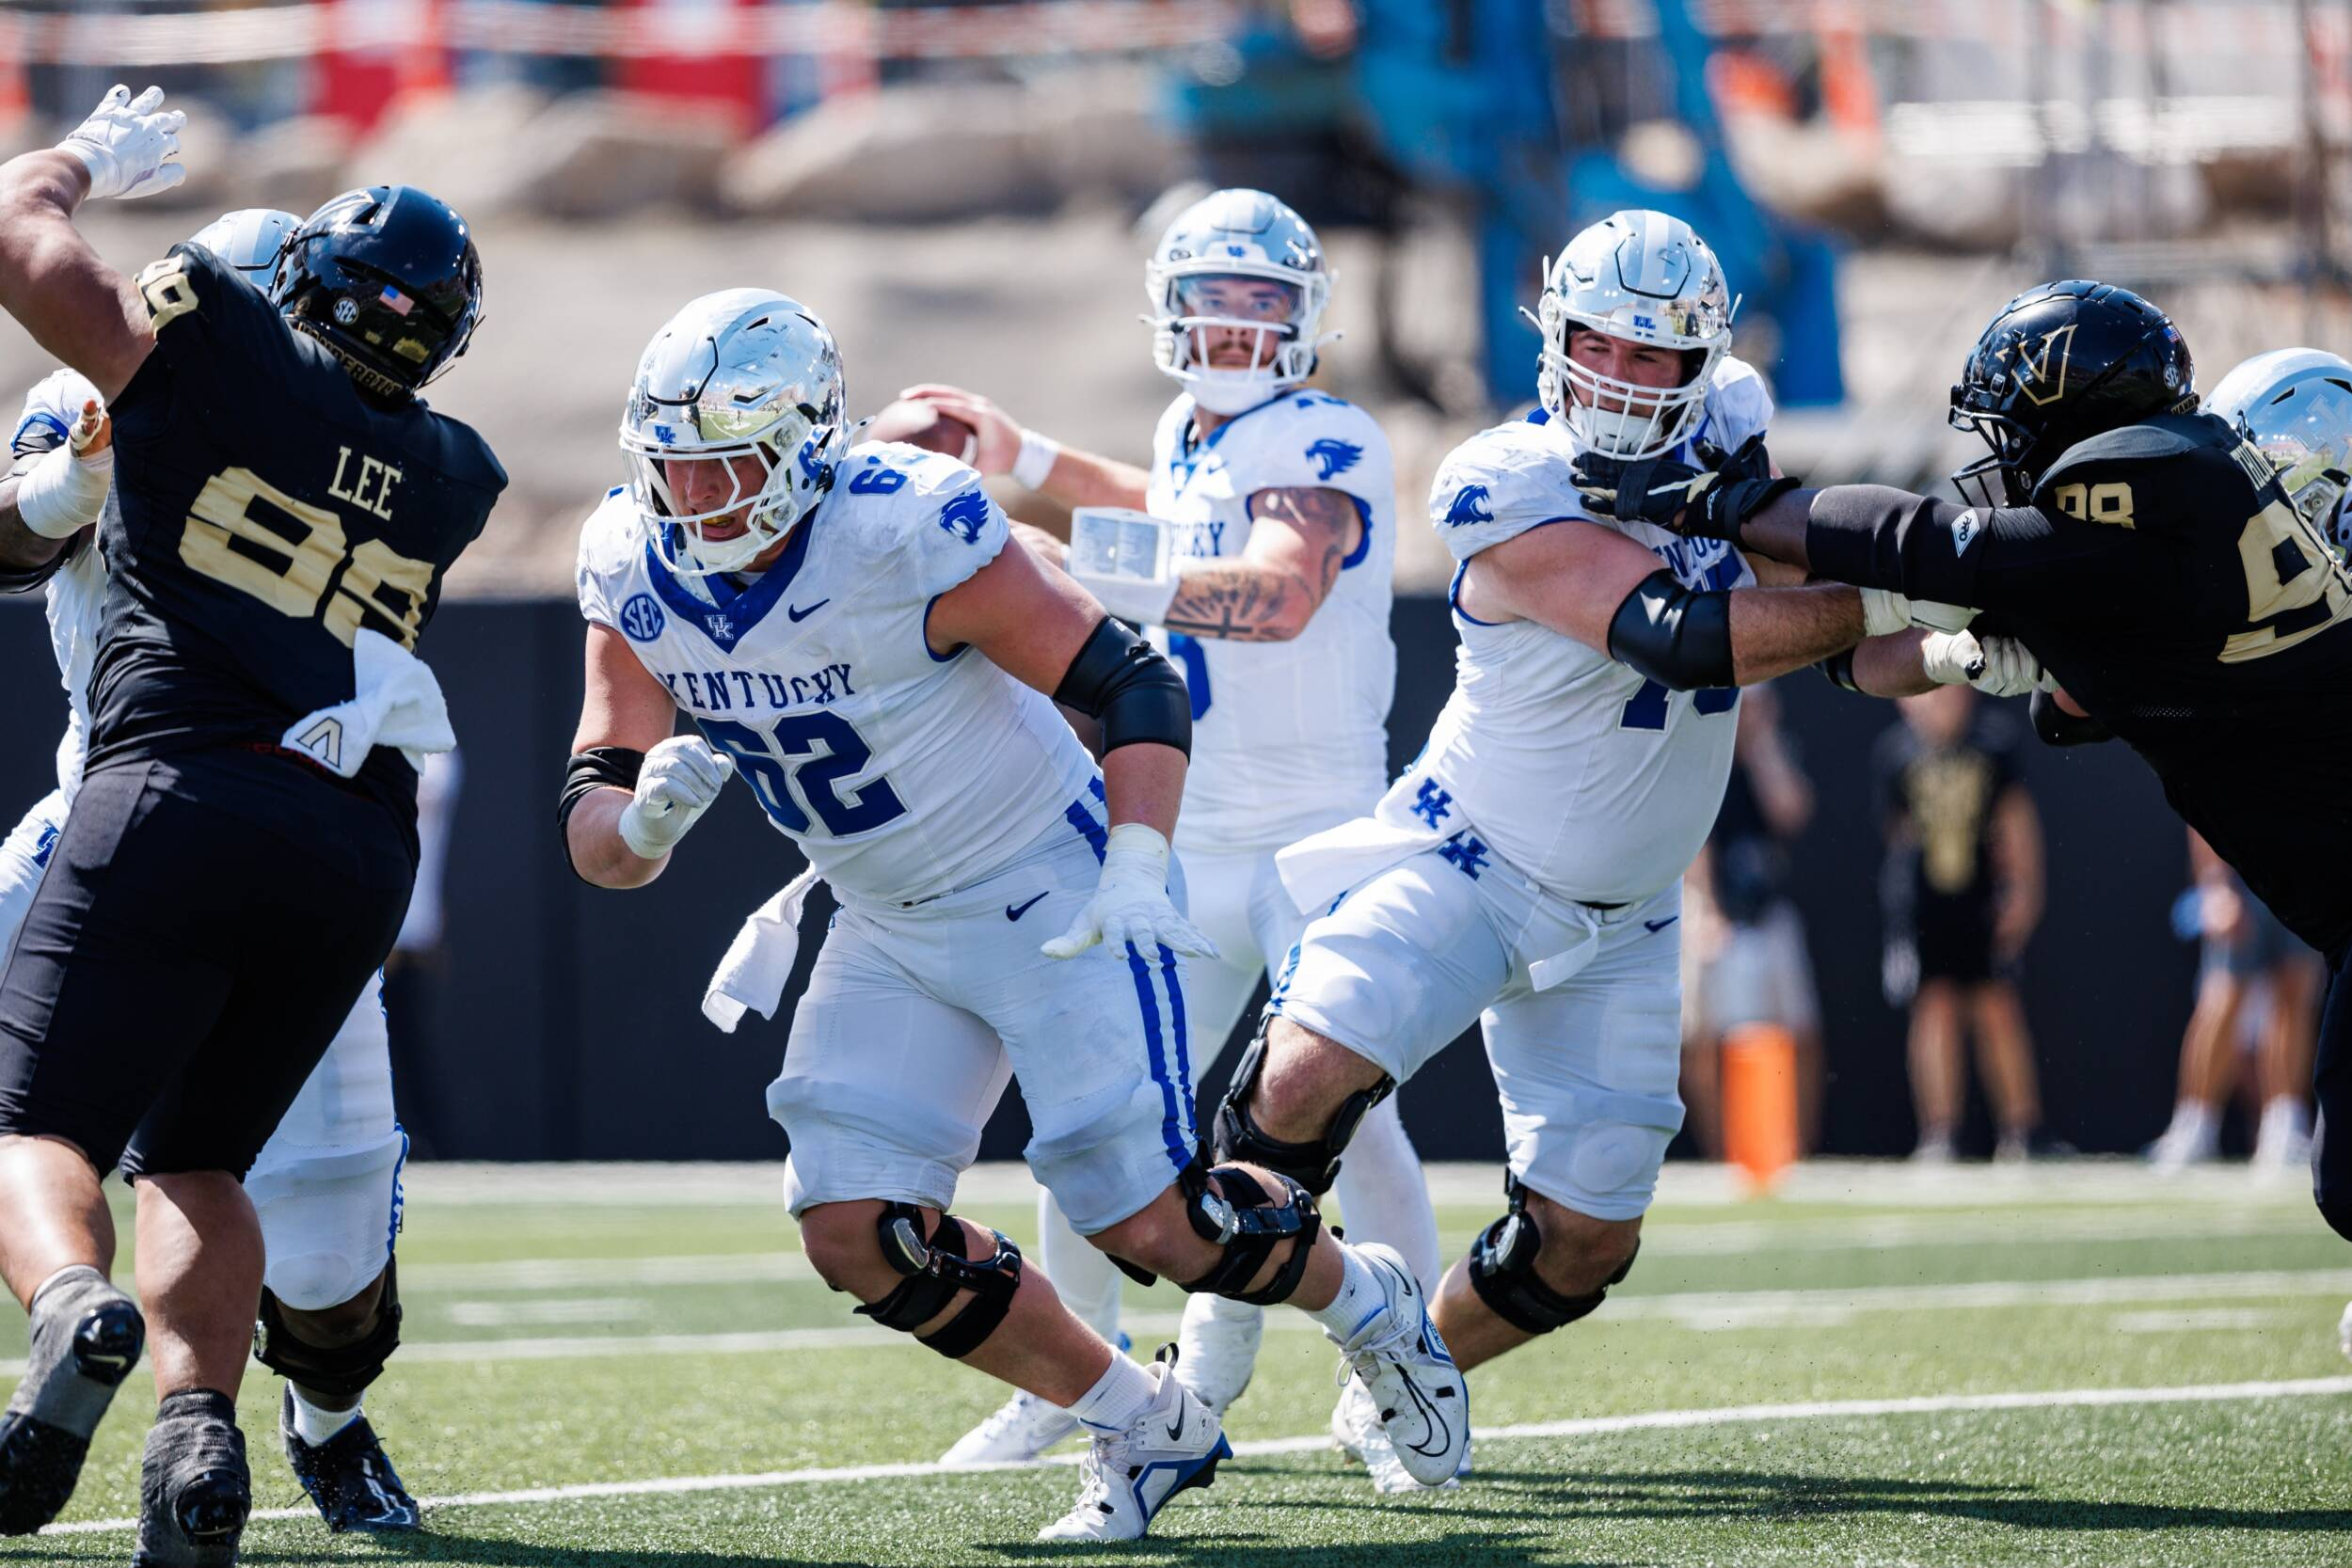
{"x": 1703, "y": 1311}
{"x": 2203, "y": 1393}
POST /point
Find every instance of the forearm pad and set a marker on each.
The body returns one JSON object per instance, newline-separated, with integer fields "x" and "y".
{"x": 1679, "y": 637}
{"x": 1127, "y": 685}
{"x": 597, "y": 768}
{"x": 2058, "y": 727}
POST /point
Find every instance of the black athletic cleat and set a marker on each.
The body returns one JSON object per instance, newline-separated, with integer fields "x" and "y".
{"x": 195, "y": 1490}
{"x": 350, "y": 1479}
{"x": 41, "y": 1460}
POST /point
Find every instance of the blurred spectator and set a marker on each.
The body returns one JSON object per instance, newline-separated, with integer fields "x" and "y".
{"x": 418, "y": 963}
{"x": 2257, "y": 994}
{"x": 1744, "y": 942}
{"x": 1963, "y": 892}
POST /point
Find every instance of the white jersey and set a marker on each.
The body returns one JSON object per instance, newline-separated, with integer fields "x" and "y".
{"x": 1597, "y": 783}
{"x": 78, "y": 592}
{"x": 901, "y": 774}
{"x": 1284, "y": 734}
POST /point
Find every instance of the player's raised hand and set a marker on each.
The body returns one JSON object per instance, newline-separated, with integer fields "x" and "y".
{"x": 996, "y": 434}
{"x": 680, "y": 779}
{"x": 93, "y": 433}
{"x": 1698, "y": 502}
{"x": 1130, "y": 902}
{"x": 128, "y": 143}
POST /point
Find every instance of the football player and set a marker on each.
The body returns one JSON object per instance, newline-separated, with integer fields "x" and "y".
{"x": 326, "y": 1185}
{"x": 1278, "y": 502}
{"x": 2156, "y": 562}
{"x": 240, "y": 848}
{"x": 1524, "y": 873}
{"x": 847, "y": 629}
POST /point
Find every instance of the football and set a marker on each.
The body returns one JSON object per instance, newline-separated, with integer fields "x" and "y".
{"x": 921, "y": 424}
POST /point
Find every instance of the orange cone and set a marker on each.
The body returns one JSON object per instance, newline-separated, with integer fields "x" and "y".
{"x": 1759, "y": 1102}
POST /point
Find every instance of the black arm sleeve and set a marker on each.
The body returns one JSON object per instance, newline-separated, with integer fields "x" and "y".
{"x": 2058, "y": 727}
{"x": 1679, "y": 637}
{"x": 597, "y": 768}
{"x": 1123, "y": 681}
{"x": 2009, "y": 557}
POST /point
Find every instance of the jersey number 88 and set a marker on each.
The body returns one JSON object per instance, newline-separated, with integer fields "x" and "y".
{"x": 224, "y": 541}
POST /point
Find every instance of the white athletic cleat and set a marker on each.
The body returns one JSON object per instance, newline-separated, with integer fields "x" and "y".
{"x": 1217, "y": 1349}
{"x": 1129, "y": 1476}
{"x": 1019, "y": 1431}
{"x": 1413, "y": 1387}
{"x": 2344, "y": 1330}
{"x": 1356, "y": 1431}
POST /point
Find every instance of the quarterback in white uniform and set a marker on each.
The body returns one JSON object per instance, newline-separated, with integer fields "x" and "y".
{"x": 326, "y": 1185}
{"x": 847, "y": 629}
{"x": 1280, "y": 505}
{"x": 1525, "y": 872}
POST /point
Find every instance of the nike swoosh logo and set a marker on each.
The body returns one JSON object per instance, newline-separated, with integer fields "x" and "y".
{"x": 1656, "y": 925}
{"x": 1014, "y": 911}
{"x": 1176, "y": 1428}
{"x": 799, "y": 614}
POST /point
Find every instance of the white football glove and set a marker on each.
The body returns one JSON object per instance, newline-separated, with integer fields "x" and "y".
{"x": 1996, "y": 666}
{"x": 1130, "y": 902}
{"x": 1884, "y": 610}
{"x": 126, "y": 145}
{"x": 682, "y": 776}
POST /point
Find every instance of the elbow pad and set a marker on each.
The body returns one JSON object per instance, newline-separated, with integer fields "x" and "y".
{"x": 2058, "y": 727}
{"x": 1124, "y": 682}
{"x": 597, "y": 768}
{"x": 1679, "y": 637}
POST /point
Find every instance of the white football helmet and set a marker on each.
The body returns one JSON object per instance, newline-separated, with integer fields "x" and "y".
{"x": 1644, "y": 277}
{"x": 741, "y": 374}
{"x": 2295, "y": 404}
{"x": 1236, "y": 236}
{"x": 250, "y": 240}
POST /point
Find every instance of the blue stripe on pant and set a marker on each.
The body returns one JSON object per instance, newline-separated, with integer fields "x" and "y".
{"x": 1176, "y": 1104}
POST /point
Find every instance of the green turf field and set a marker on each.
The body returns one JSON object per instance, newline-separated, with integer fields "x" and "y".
{"x": 632, "y": 1367}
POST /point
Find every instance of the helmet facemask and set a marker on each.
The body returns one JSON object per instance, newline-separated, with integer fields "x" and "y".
{"x": 1201, "y": 309}
{"x": 766, "y": 499}
{"x": 2000, "y": 477}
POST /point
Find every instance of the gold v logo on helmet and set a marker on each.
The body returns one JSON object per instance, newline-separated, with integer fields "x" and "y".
{"x": 2039, "y": 386}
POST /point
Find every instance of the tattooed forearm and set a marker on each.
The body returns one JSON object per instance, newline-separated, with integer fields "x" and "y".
{"x": 1270, "y": 594}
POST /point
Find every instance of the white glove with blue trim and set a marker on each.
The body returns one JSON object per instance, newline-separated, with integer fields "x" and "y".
{"x": 680, "y": 779}
{"x": 1130, "y": 902}
{"x": 126, "y": 143}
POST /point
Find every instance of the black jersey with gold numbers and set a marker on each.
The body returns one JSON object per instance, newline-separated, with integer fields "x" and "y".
{"x": 268, "y": 514}
{"x": 2162, "y": 577}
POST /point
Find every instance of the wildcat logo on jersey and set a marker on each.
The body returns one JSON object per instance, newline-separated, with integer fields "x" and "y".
{"x": 1468, "y": 507}
{"x": 1336, "y": 456}
{"x": 966, "y": 514}
{"x": 641, "y": 618}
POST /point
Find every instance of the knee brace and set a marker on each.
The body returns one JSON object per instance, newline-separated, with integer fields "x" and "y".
{"x": 935, "y": 1269}
{"x": 1503, "y": 1271}
{"x": 2337, "y": 1212}
{"x": 1312, "y": 1166}
{"x": 345, "y": 1372}
{"x": 1248, "y": 1225}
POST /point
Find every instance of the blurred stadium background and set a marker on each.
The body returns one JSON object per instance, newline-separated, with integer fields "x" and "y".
{"x": 966, "y": 192}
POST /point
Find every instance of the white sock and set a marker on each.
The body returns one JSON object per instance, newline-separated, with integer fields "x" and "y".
{"x": 1360, "y": 1298}
{"x": 1083, "y": 1275}
{"x": 315, "y": 1426}
{"x": 1385, "y": 1198}
{"x": 1119, "y": 1398}
{"x": 2284, "y": 1113}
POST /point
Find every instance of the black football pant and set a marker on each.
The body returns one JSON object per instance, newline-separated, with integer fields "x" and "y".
{"x": 205, "y": 924}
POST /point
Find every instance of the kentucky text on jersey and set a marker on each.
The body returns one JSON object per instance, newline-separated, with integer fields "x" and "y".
{"x": 710, "y": 691}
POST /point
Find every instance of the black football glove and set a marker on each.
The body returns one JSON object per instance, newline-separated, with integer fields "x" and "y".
{"x": 1709, "y": 503}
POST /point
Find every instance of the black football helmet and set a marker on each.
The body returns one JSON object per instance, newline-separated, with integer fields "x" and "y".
{"x": 2059, "y": 364}
{"x": 389, "y": 278}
